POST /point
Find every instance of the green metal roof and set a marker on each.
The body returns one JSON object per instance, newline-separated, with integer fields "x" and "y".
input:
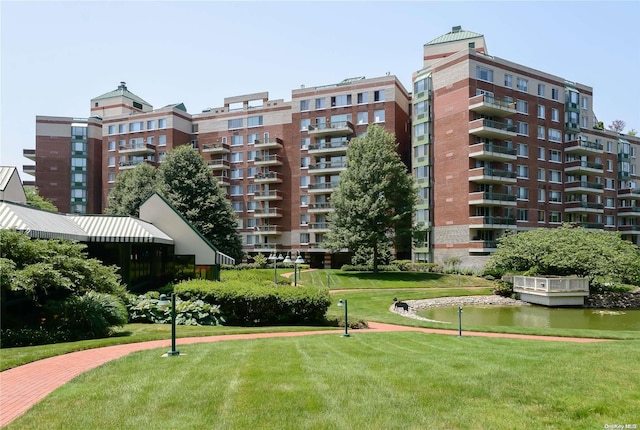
{"x": 121, "y": 91}
{"x": 457, "y": 33}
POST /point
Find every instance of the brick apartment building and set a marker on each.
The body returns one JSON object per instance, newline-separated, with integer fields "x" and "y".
{"x": 493, "y": 145}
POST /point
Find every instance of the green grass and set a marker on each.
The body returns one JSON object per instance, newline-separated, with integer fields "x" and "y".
{"x": 371, "y": 380}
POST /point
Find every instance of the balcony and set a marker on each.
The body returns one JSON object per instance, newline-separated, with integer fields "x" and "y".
{"x": 218, "y": 164}
{"x": 489, "y": 175}
{"x": 319, "y": 208}
{"x": 328, "y": 148}
{"x": 267, "y": 178}
{"x": 335, "y": 128}
{"x": 268, "y": 160}
{"x": 592, "y": 225}
{"x": 327, "y": 167}
{"x": 584, "y": 207}
{"x": 491, "y": 106}
{"x": 482, "y": 246}
{"x": 583, "y": 147}
{"x": 488, "y": 198}
{"x": 270, "y": 230}
{"x": 492, "y": 222}
{"x": 222, "y": 180}
{"x": 583, "y": 187}
{"x": 579, "y": 167}
{"x": 624, "y": 175}
{"x": 316, "y": 246}
{"x": 137, "y": 149}
{"x": 267, "y": 195}
{"x": 265, "y": 247}
{"x": 216, "y": 148}
{"x": 629, "y": 193}
{"x": 322, "y": 188}
{"x": 319, "y": 227}
{"x": 629, "y": 229}
{"x": 491, "y": 152}
{"x": 29, "y": 170}
{"x": 125, "y": 165}
{"x": 275, "y": 143}
{"x": 492, "y": 129}
{"x": 629, "y": 211}
{"x": 29, "y": 153}
{"x": 268, "y": 213}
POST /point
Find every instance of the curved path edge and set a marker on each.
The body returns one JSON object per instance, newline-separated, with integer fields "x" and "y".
{"x": 24, "y": 386}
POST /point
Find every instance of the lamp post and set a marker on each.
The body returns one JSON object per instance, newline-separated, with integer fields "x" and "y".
{"x": 162, "y": 303}
{"x": 328, "y": 281}
{"x": 299, "y": 260}
{"x": 275, "y": 261}
{"x": 459, "y": 321}
{"x": 343, "y": 303}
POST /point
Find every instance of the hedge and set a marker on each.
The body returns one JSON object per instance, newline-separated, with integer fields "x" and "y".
{"x": 246, "y": 304}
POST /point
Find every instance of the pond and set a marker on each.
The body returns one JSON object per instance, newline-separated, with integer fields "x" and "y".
{"x": 538, "y": 316}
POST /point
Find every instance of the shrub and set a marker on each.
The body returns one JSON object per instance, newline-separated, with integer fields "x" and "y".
{"x": 365, "y": 268}
{"x": 353, "y": 323}
{"x": 13, "y": 338}
{"x": 145, "y": 309}
{"x": 503, "y": 288}
{"x": 248, "y": 304}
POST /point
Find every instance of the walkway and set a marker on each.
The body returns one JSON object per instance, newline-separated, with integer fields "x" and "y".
{"x": 24, "y": 386}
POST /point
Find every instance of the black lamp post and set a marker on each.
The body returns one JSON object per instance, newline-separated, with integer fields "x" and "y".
{"x": 343, "y": 303}
{"x": 162, "y": 303}
{"x": 299, "y": 260}
{"x": 275, "y": 259}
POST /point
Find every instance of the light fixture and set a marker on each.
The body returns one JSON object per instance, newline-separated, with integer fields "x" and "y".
{"x": 343, "y": 303}
{"x": 298, "y": 260}
{"x": 162, "y": 304}
{"x": 275, "y": 260}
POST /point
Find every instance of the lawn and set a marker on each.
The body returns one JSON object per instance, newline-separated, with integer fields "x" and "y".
{"x": 368, "y": 381}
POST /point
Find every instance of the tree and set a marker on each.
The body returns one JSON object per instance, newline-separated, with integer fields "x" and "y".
{"x": 187, "y": 183}
{"x": 37, "y": 201}
{"x": 602, "y": 256}
{"x": 632, "y": 132}
{"x": 131, "y": 189}
{"x": 617, "y": 125}
{"x": 375, "y": 196}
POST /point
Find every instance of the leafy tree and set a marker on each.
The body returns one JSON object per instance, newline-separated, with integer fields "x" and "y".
{"x": 187, "y": 183}
{"x": 374, "y": 198}
{"x": 617, "y": 125}
{"x": 37, "y": 201}
{"x": 632, "y": 132}
{"x": 602, "y": 256}
{"x": 131, "y": 189}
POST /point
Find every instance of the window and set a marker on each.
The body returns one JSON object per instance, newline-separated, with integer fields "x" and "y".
{"x": 80, "y": 178}
{"x": 237, "y": 140}
{"x": 540, "y": 216}
{"x": 136, "y": 126}
{"x": 305, "y": 219}
{"x": 253, "y": 188}
{"x": 363, "y": 98}
{"x": 555, "y": 156}
{"x": 305, "y": 181}
{"x": 151, "y": 124}
{"x": 378, "y": 96}
{"x": 541, "y": 132}
{"x": 236, "y": 190}
{"x": 341, "y": 100}
{"x": 523, "y": 128}
{"x": 111, "y": 177}
{"x": 522, "y": 171}
{"x": 254, "y": 121}
{"x": 237, "y": 206}
{"x": 320, "y": 103}
{"x": 162, "y": 123}
{"x": 304, "y": 238}
{"x": 609, "y": 220}
{"x": 421, "y": 129}
{"x": 555, "y": 115}
{"x": 162, "y": 140}
{"x": 523, "y": 193}
{"x": 508, "y": 81}
{"x": 235, "y": 123}
{"x": 541, "y": 153}
{"x": 252, "y": 171}
{"x": 252, "y": 222}
{"x": 555, "y": 217}
{"x": 555, "y": 196}
{"x": 304, "y": 142}
{"x": 421, "y": 85}
{"x": 523, "y": 215}
{"x": 541, "y": 175}
{"x": 609, "y": 146}
{"x": 122, "y": 128}
{"x": 584, "y": 121}
{"x": 78, "y": 162}
{"x": 421, "y": 107}
{"x": 363, "y": 118}
{"x": 378, "y": 115}
{"x": 584, "y": 102}
{"x": 236, "y": 157}
{"x": 555, "y": 94}
{"x": 609, "y": 202}
{"x": 484, "y": 74}
{"x": 522, "y": 106}
{"x": 112, "y": 129}
{"x": 305, "y": 199}
{"x": 541, "y": 111}
{"x": 112, "y": 145}
{"x": 609, "y": 165}
{"x": 609, "y": 183}
{"x": 111, "y": 162}
{"x": 236, "y": 174}
{"x": 252, "y": 138}
{"x": 555, "y": 176}
{"x": 555, "y": 135}
{"x": 522, "y": 150}
{"x": 522, "y": 85}
{"x": 541, "y": 195}
{"x": 541, "y": 90}
{"x": 304, "y": 162}
{"x": 304, "y": 104}
{"x": 304, "y": 124}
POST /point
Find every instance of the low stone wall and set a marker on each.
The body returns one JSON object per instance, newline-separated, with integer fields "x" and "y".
{"x": 628, "y": 300}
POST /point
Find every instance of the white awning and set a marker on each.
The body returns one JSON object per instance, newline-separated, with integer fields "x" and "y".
{"x": 104, "y": 228}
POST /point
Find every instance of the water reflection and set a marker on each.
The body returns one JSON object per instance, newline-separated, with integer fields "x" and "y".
{"x": 539, "y": 316}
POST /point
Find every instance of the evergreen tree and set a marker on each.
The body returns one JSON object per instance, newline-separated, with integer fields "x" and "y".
{"x": 131, "y": 189}
{"x": 374, "y": 199}
{"x": 187, "y": 183}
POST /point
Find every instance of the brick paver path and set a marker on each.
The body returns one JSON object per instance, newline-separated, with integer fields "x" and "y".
{"x": 24, "y": 386}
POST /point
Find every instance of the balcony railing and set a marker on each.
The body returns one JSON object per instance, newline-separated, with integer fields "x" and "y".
{"x": 328, "y": 165}
{"x": 319, "y": 206}
{"x": 264, "y": 195}
{"x": 495, "y": 220}
{"x": 268, "y": 212}
{"x": 319, "y": 226}
{"x": 490, "y": 105}
{"x": 492, "y": 129}
{"x": 490, "y": 171}
{"x": 489, "y": 195}
{"x": 267, "y": 177}
{"x": 323, "y": 186}
{"x": 584, "y": 205}
{"x": 332, "y": 128}
{"x": 215, "y": 147}
{"x": 327, "y": 147}
{"x": 579, "y": 164}
{"x": 584, "y": 184}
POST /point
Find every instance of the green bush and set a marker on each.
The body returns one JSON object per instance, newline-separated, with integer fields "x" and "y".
{"x": 145, "y": 309}
{"x": 503, "y": 288}
{"x": 13, "y": 338}
{"x": 365, "y": 268}
{"x": 246, "y": 304}
{"x": 409, "y": 266}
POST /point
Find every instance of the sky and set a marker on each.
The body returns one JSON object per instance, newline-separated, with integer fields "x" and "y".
{"x": 56, "y": 56}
